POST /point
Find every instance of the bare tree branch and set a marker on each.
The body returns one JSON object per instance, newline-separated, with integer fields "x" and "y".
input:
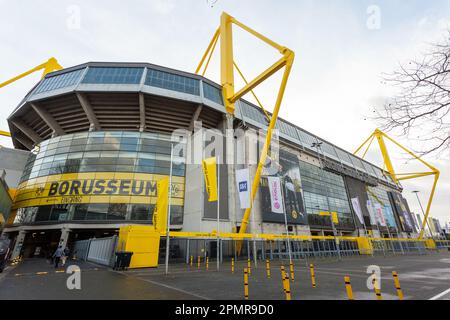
{"x": 421, "y": 108}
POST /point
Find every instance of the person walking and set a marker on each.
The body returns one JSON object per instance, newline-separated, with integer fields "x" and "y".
{"x": 57, "y": 255}
{"x": 65, "y": 256}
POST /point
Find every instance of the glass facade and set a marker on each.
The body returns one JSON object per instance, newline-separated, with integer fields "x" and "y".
{"x": 325, "y": 191}
{"x": 174, "y": 82}
{"x": 60, "y": 81}
{"x": 113, "y": 75}
{"x": 98, "y": 176}
{"x": 212, "y": 93}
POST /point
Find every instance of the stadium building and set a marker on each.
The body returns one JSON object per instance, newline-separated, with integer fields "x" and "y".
{"x": 100, "y": 134}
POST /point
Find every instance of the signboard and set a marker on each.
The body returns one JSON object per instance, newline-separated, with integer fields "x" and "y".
{"x": 243, "y": 187}
{"x": 95, "y": 187}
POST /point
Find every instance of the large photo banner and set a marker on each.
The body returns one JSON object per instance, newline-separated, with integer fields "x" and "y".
{"x": 401, "y": 210}
{"x": 290, "y": 188}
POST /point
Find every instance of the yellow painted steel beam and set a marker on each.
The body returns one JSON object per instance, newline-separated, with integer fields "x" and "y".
{"x": 384, "y": 152}
{"x": 260, "y": 78}
{"x": 208, "y": 49}
{"x": 416, "y": 175}
{"x": 227, "y": 65}
{"x": 253, "y": 93}
{"x": 405, "y": 176}
{"x": 48, "y": 66}
{"x": 262, "y": 160}
{"x": 362, "y": 145}
{"x": 226, "y": 60}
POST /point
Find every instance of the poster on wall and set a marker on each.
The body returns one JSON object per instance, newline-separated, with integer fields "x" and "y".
{"x": 373, "y": 219}
{"x": 400, "y": 209}
{"x": 290, "y": 188}
{"x": 379, "y": 214}
{"x": 389, "y": 215}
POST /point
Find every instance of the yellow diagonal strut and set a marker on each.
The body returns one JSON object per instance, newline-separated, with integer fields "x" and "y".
{"x": 397, "y": 177}
{"x": 230, "y": 96}
{"x": 48, "y": 66}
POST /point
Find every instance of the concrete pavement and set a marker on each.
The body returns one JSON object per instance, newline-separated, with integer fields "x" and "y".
{"x": 421, "y": 277}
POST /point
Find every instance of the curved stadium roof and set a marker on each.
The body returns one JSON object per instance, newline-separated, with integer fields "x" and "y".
{"x": 147, "y": 97}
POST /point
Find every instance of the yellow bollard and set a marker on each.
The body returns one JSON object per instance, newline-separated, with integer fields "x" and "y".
{"x": 191, "y": 260}
{"x": 288, "y": 287}
{"x": 232, "y": 265}
{"x": 291, "y": 269}
{"x": 249, "y": 267}
{"x": 283, "y": 278}
{"x": 348, "y": 287}
{"x": 245, "y": 284}
{"x": 377, "y": 289}
{"x": 268, "y": 268}
{"x": 313, "y": 276}
{"x": 397, "y": 285}
{"x": 198, "y": 262}
{"x": 207, "y": 263}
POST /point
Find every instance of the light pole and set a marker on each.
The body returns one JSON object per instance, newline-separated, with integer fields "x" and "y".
{"x": 318, "y": 145}
{"x": 423, "y": 212}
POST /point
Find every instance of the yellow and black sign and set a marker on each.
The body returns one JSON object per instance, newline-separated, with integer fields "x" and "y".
{"x": 95, "y": 187}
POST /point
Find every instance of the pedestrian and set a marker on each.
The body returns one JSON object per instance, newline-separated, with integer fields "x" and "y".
{"x": 57, "y": 255}
{"x": 65, "y": 256}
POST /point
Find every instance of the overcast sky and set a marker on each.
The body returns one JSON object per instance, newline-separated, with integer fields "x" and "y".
{"x": 341, "y": 47}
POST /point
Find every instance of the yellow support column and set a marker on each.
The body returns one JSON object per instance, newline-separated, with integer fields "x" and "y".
{"x": 226, "y": 60}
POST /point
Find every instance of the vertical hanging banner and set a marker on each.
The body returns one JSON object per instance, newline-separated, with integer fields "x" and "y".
{"x": 276, "y": 199}
{"x": 160, "y": 212}
{"x": 373, "y": 220}
{"x": 379, "y": 214}
{"x": 243, "y": 186}
{"x": 389, "y": 215}
{"x": 357, "y": 207}
{"x": 209, "y": 171}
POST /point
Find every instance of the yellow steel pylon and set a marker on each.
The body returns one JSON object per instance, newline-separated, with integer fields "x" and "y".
{"x": 397, "y": 177}
{"x": 230, "y": 96}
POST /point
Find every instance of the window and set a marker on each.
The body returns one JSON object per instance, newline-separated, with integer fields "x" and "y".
{"x": 113, "y": 75}
{"x": 142, "y": 212}
{"x": 97, "y": 211}
{"x": 59, "y": 81}
{"x": 174, "y": 82}
{"x": 212, "y": 93}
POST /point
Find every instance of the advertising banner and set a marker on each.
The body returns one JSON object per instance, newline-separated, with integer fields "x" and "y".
{"x": 243, "y": 187}
{"x": 276, "y": 199}
{"x": 373, "y": 219}
{"x": 357, "y": 208}
{"x": 209, "y": 171}
{"x": 160, "y": 212}
{"x": 289, "y": 175}
{"x": 389, "y": 215}
{"x": 379, "y": 214}
{"x": 400, "y": 209}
